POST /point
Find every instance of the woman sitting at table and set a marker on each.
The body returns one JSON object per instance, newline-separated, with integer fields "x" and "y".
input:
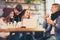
{"x": 26, "y": 15}
{"x": 6, "y": 18}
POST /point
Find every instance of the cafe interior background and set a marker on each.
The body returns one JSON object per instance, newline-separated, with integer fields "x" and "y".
{"x": 37, "y": 7}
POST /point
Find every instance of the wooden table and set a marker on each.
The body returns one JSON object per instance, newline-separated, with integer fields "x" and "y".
{"x": 22, "y": 29}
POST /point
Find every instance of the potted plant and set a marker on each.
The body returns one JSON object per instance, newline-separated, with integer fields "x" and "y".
{"x": 29, "y": 3}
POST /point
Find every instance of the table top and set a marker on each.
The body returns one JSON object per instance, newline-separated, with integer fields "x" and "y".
{"x": 21, "y": 29}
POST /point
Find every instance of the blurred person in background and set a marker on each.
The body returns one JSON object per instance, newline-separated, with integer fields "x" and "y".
{"x": 54, "y": 17}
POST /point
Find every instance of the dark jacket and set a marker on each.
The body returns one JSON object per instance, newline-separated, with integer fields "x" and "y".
{"x": 54, "y": 16}
{"x": 17, "y": 18}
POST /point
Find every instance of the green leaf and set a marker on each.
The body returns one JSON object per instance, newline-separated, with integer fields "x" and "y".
{"x": 37, "y": 1}
{"x": 28, "y": 1}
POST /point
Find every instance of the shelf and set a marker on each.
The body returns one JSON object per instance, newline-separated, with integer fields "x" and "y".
{"x": 25, "y": 5}
{"x": 22, "y": 3}
{"x": 33, "y": 10}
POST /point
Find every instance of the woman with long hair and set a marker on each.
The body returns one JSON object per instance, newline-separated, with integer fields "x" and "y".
{"x": 6, "y": 18}
{"x": 26, "y": 15}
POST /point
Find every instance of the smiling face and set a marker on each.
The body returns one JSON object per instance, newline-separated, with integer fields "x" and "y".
{"x": 26, "y": 14}
{"x": 11, "y": 14}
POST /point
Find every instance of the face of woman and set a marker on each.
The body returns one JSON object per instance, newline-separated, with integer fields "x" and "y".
{"x": 12, "y": 14}
{"x": 27, "y": 14}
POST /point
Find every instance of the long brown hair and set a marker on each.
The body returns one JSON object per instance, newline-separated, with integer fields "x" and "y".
{"x": 9, "y": 19}
{"x": 23, "y": 12}
{"x": 6, "y": 14}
